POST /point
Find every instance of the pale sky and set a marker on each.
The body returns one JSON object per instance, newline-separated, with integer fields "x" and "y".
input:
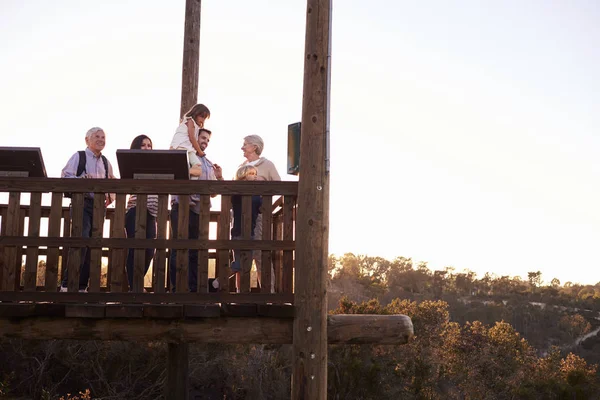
{"x": 463, "y": 133}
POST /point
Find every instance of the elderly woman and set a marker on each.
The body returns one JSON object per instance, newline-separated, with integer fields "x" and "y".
{"x": 253, "y": 147}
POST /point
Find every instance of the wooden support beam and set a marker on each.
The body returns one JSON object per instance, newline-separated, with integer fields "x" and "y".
{"x": 15, "y": 322}
{"x": 309, "y": 373}
{"x": 191, "y": 55}
{"x": 177, "y": 372}
{"x": 177, "y": 367}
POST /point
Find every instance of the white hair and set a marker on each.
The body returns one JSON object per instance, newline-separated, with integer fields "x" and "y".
{"x": 92, "y": 131}
{"x": 257, "y": 141}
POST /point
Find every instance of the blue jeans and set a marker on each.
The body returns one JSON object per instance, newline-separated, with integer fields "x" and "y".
{"x": 84, "y": 269}
{"x": 193, "y": 227}
{"x": 150, "y": 234}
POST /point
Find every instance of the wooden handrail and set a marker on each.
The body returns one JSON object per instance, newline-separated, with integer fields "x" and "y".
{"x": 277, "y": 247}
{"x": 127, "y": 186}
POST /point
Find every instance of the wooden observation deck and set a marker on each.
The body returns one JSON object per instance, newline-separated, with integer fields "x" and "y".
{"x": 35, "y": 225}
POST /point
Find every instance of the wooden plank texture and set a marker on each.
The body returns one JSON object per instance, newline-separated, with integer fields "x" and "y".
{"x": 349, "y": 329}
{"x": 246, "y": 255}
{"x": 203, "y": 235}
{"x": 151, "y": 298}
{"x": 223, "y": 270}
{"x": 148, "y": 186}
{"x": 55, "y": 217}
{"x": 159, "y": 264}
{"x": 288, "y": 234}
{"x": 309, "y": 363}
{"x": 11, "y": 226}
{"x": 31, "y": 261}
{"x": 139, "y": 255}
{"x": 267, "y": 234}
{"x": 117, "y": 266}
{"x": 96, "y": 252}
{"x": 74, "y": 262}
{"x": 142, "y": 243}
{"x": 182, "y": 262}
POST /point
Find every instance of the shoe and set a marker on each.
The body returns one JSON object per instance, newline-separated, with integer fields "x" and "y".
{"x": 215, "y": 283}
{"x": 82, "y": 290}
{"x": 63, "y": 289}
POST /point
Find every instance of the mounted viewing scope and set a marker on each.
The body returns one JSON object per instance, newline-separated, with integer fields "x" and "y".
{"x": 153, "y": 164}
{"x": 21, "y": 162}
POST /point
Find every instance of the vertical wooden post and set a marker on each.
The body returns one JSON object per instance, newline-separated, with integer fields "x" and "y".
{"x": 177, "y": 376}
{"x": 177, "y": 368}
{"x": 309, "y": 375}
{"x": 191, "y": 56}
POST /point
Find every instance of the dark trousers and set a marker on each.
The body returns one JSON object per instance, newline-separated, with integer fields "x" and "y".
{"x": 150, "y": 234}
{"x": 84, "y": 269}
{"x": 192, "y": 233}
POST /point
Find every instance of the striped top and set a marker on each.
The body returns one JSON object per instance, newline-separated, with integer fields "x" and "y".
{"x": 152, "y": 203}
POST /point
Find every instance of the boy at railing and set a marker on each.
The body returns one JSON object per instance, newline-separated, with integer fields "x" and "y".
{"x": 244, "y": 173}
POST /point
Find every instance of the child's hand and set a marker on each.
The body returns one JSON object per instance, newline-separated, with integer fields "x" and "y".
{"x": 200, "y": 153}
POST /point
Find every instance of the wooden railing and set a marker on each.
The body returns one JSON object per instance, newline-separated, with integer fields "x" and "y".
{"x": 61, "y": 243}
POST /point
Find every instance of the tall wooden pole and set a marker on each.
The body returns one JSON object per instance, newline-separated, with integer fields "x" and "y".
{"x": 191, "y": 56}
{"x": 309, "y": 375}
{"x": 177, "y": 386}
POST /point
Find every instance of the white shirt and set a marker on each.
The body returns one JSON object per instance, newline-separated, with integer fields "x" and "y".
{"x": 182, "y": 138}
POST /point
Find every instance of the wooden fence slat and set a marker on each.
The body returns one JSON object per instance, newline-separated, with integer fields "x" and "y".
{"x": 54, "y": 220}
{"x": 3, "y": 212}
{"x": 64, "y": 252}
{"x": 288, "y": 234}
{"x": 203, "y": 235}
{"x": 277, "y": 255}
{"x": 96, "y": 252}
{"x": 19, "y": 252}
{"x": 267, "y": 221}
{"x": 118, "y": 254}
{"x": 246, "y": 255}
{"x": 20, "y": 249}
{"x": 31, "y": 263}
{"x": 74, "y": 263}
{"x": 159, "y": 263}
{"x": 11, "y": 226}
{"x": 139, "y": 255}
{"x": 183, "y": 224}
{"x": 224, "y": 227}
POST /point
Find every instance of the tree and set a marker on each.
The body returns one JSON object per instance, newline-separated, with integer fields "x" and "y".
{"x": 535, "y": 280}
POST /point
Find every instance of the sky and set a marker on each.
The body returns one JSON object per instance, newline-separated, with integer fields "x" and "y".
{"x": 463, "y": 133}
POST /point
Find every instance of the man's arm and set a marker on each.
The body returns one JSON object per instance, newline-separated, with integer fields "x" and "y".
{"x": 110, "y": 197}
{"x": 70, "y": 170}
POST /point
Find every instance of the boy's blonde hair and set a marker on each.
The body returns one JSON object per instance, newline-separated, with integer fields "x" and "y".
{"x": 243, "y": 171}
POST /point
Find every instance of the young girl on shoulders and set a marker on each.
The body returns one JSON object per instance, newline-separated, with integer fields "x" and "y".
{"x": 186, "y": 135}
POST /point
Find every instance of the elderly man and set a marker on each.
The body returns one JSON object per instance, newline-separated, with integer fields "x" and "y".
{"x": 207, "y": 171}
{"x": 88, "y": 164}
